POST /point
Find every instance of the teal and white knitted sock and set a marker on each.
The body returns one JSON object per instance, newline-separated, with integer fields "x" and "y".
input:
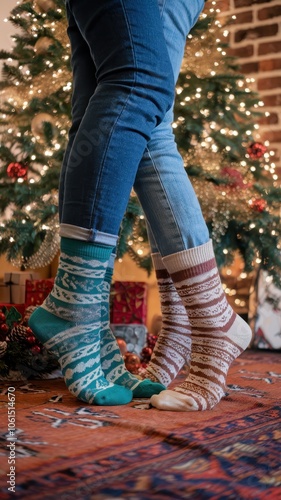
{"x": 68, "y": 322}
{"x": 112, "y": 362}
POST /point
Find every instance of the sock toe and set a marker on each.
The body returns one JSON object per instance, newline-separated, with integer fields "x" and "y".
{"x": 146, "y": 389}
{"x": 172, "y": 401}
{"x": 118, "y": 396}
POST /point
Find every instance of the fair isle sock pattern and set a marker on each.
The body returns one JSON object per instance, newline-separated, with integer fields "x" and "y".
{"x": 112, "y": 361}
{"x": 173, "y": 346}
{"x": 219, "y": 335}
{"x": 68, "y": 323}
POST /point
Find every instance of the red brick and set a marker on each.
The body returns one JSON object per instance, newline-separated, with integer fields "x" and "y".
{"x": 247, "y": 51}
{"x": 257, "y": 32}
{"x": 243, "y": 17}
{"x": 269, "y": 12}
{"x": 272, "y": 119}
{"x": 273, "y": 136}
{"x": 247, "y": 3}
{"x": 269, "y": 83}
{"x": 270, "y": 64}
{"x": 251, "y": 67}
{"x": 223, "y": 5}
{"x": 226, "y": 39}
{"x": 269, "y": 47}
{"x": 272, "y": 100}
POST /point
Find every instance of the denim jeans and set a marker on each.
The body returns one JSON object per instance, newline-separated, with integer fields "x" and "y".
{"x": 126, "y": 57}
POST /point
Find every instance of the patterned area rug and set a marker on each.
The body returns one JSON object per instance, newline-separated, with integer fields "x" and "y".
{"x": 67, "y": 450}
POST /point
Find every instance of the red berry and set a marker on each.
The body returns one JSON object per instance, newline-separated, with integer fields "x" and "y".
{"x": 31, "y": 339}
{"x": 35, "y": 349}
{"x": 2, "y": 317}
{"x": 4, "y": 328}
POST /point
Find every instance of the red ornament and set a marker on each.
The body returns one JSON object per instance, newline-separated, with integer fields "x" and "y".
{"x": 258, "y": 205}
{"x": 146, "y": 353}
{"x": 17, "y": 170}
{"x": 132, "y": 362}
{"x": 122, "y": 345}
{"x": 2, "y": 317}
{"x": 256, "y": 150}
{"x": 36, "y": 349}
{"x": 234, "y": 177}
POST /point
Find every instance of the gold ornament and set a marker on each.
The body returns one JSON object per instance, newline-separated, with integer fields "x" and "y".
{"x": 45, "y": 5}
{"x": 37, "y": 125}
{"x": 43, "y": 44}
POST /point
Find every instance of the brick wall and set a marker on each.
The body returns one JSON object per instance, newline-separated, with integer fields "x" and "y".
{"x": 255, "y": 38}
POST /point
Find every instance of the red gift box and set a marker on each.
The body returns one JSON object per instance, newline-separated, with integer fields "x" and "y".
{"x": 37, "y": 291}
{"x": 16, "y": 282}
{"x": 129, "y": 302}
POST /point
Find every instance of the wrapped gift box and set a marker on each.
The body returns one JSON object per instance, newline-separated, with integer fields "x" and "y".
{"x": 16, "y": 282}
{"x": 37, "y": 291}
{"x": 265, "y": 313}
{"x": 135, "y": 336}
{"x": 129, "y": 302}
{"x": 4, "y": 292}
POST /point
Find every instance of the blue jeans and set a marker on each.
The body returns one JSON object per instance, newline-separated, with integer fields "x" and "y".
{"x": 126, "y": 57}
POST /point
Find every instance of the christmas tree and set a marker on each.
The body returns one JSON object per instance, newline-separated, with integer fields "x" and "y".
{"x": 232, "y": 172}
{"x": 215, "y": 126}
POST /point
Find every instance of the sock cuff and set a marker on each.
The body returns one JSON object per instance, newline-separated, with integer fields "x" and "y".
{"x": 84, "y": 249}
{"x": 109, "y": 271}
{"x": 157, "y": 261}
{"x": 111, "y": 261}
{"x": 189, "y": 258}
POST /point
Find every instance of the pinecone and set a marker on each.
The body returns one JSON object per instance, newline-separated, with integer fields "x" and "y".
{"x": 3, "y": 348}
{"x": 17, "y": 333}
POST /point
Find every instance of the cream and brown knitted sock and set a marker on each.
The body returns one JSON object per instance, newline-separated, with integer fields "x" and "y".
{"x": 173, "y": 344}
{"x": 219, "y": 335}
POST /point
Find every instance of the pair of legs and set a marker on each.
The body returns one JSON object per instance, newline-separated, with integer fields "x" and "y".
{"x": 126, "y": 57}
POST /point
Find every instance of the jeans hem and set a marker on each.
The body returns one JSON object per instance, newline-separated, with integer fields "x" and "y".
{"x": 91, "y": 235}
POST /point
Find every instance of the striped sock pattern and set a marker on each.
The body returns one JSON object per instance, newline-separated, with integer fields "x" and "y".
{"x": 112, "y": 361}
{"x": 173, "y": 347}
{"x": 219, "y": 335}
{"x": 68, "y": 323}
